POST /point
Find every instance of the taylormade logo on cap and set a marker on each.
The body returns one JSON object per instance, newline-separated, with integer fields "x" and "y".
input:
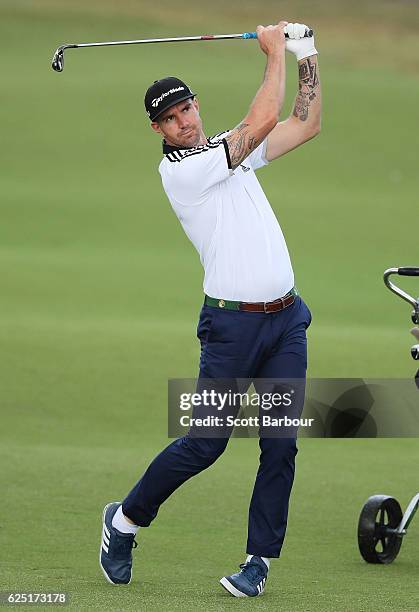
{"x": 156, "y": 101}
{"x": 163, "y": 94}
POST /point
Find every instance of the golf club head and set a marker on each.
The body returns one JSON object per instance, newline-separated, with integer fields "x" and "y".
{"x": 58, "y": 60}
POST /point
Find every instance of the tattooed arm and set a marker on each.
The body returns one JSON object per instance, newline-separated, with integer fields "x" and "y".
{"x": 263, "y": 113}
{"x": 308, "y": 91}
{"x": 304, "y": 122}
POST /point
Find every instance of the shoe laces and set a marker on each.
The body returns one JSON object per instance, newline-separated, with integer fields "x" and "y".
{"x": 252, "y": 571}
{"x": 123, "y": 546}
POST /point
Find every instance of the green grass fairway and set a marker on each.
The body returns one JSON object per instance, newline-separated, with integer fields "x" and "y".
{"x": 101, "y": 293}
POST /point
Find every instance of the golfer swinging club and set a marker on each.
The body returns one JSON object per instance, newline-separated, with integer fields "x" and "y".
{"x": 253, "y": 323}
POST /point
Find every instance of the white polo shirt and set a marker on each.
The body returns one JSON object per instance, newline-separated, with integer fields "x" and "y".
{"x": 229, "y": 220}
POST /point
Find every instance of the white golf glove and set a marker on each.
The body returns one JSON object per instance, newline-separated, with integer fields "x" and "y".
{"x": 297, "y": 43}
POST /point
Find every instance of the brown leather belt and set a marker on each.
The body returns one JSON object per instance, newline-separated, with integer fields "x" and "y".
{"x": 267, "y": 307}
{"x": 274, "y": 306}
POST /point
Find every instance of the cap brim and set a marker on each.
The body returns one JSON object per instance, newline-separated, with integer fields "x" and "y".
{"x": 154, "y": 117}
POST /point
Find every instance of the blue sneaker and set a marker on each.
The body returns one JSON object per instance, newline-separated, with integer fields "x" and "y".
{"x": 250, "y": 581}
{"x": 115, "y": 555}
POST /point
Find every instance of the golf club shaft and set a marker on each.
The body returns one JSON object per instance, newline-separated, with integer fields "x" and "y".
{"x": 58, "y": 59}
{"x": 244, "y": 35}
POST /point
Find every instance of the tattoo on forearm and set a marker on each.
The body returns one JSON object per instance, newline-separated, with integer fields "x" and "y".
{"x": 308, "y": 81}
{"x": 240, "y": 144}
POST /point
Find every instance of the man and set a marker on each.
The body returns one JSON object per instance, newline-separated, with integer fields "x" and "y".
{"x": 253, "y": 323}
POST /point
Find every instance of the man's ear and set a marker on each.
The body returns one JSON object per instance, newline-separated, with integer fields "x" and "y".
{"x": 155, "y": 127}
{"x": 196, "y": 103}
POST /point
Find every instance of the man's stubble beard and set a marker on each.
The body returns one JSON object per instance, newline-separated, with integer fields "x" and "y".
{"x": 197, "y": 141}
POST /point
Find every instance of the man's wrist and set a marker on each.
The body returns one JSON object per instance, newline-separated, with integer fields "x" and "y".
{"x": 274, "y": 61}
{"x": 307, "y": 55}
{"x": 277, "y": 52}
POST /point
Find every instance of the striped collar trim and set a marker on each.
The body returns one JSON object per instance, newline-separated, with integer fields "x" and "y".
{"x": 178, "y": 153}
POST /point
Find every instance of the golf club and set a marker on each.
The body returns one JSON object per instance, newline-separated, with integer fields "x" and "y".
{"x": 58, "y": 59}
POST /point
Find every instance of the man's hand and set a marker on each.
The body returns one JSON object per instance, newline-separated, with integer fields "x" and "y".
{"x": 296, "y": 42}
{"x": 272, "y": 38}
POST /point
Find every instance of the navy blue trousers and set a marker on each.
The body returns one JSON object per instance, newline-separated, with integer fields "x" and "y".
{"x": 236, "y": 344}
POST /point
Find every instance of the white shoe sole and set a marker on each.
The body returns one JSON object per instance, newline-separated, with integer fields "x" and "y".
{"x": 231, "y": 589}
{"x": 100, "y": 550}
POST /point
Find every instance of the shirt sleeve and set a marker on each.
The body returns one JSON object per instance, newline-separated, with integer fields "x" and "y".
{"x": 191, "y": 176}
{"x": 257, "y": 158}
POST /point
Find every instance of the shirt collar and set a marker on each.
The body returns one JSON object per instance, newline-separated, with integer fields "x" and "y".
{"x": 170, "y": 149}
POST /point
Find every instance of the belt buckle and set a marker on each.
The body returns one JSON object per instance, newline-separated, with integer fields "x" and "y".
{"x": 265, "y": 309}
{"x": 279, "y": 301}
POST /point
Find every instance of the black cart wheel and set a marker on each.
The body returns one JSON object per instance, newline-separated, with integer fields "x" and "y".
{"x": 379, "y": 518}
